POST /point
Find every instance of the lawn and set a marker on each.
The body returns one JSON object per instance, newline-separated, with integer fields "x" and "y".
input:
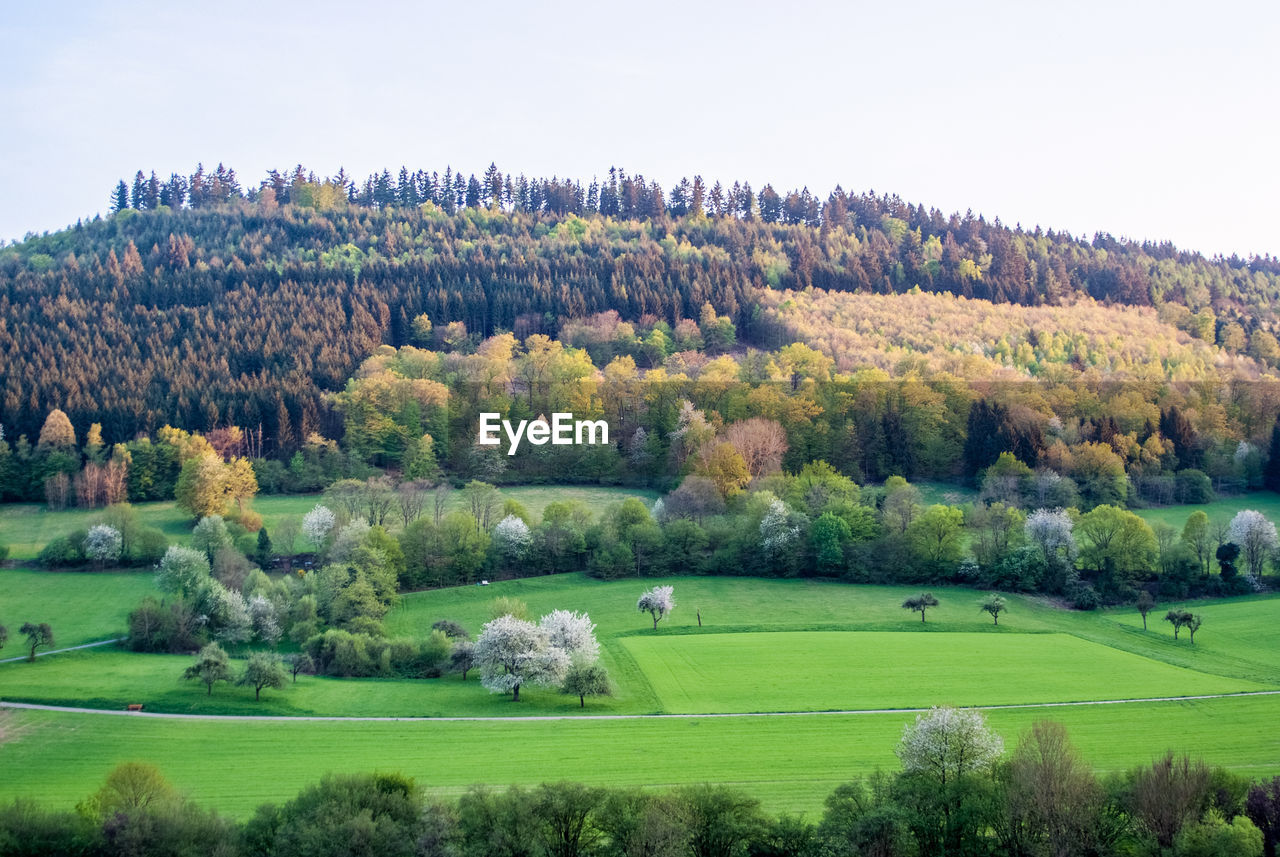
{"x": 28, "y": 527}
{"x": 816, "y": 671}
{"x": 81, "y": 607}
{"x": 1222, "y": 509}
{"x": 790, "y": 762}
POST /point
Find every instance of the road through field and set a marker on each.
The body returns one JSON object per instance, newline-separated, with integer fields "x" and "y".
{"x": 545, "y": 717}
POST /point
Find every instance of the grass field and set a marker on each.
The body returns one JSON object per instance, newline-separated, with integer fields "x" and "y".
{"x": 28, "y": 527}
{"x": 1223, "y": 509}
{"x": 81, "y": 607}
{"x": 826, "y": 670}
{"x": 789, "y": 762}
{"x": 731, "y": 645}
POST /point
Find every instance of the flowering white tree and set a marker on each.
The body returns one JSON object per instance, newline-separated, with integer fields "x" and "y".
{"x": 317, "y": 524}
{"x": 948, "y": 742}
{"x": 574, "y": 633}
{"x": 347, "y": 540}
{"x": 182, "y": 570}
{"x": 228, "y": 615}
{"x": 657, "y": 602}
{"x": 266, "y": 625}
{"x": 1256, "y": 537}
{"x": 778, "y": 529}
{"x": 512, "y": 653}
{"x": 511, "y": 539}
{"x": 103, "y": 544}
{"x": 1051, "y": 531}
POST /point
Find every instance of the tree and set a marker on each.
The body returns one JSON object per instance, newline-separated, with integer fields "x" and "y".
{"x": 1196, "y": 536}
{"x": 512, "y": 652}
{"x": 995, "y": 605}
{"x": 1263, "y": 808}
{"x": 211, "y": 536}
{"x": 937, "y": 535}
{"x": 1117, "y": 541}
{"x": 317, "y": 524}
{"x": 1257, "y": 539}
{"x": 1179, "y": 619}
{"x": 203, "y": 486}
{"x": 462, "y": 657}
{"x": 948, "y": 742}
{"x": 1051, "y": 796}
{"x": 211, "y": 666}
{"x": 263, "y": 669}
{"x": 263, "y": 552}
{"x": 1193, "y": 624}
{"x": 39, "y": 636}
{"x": 4, "y": 636}
{"x": 300, "y": 662}
{"x": 1167, "y": 795}
{"x": 103, "y": 544}
{"x": 182, "y": 571}
{"x": 129, "y": 788}
{"x": 920, "y": 603}
{"x": 586, "y": 677}
{"x": 657, "y": 602}
{"x": 511, "y": 540}
{"x": 1145, "y": 603}
{"x": 572, "y": 633}
{"x": 57, "y": 433}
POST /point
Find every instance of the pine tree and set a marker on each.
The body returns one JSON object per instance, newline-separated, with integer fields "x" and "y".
{"x": 120, "y": 197}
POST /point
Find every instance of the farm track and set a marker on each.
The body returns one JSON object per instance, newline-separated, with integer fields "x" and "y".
{"x": 67, "y": 649}
{"x": 536, "y": 718}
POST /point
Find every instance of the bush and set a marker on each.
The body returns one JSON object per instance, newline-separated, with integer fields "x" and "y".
{"x": 1083, "y": 596}
{"x": 1193, "y": 486}
{"x": 64, "y": 550}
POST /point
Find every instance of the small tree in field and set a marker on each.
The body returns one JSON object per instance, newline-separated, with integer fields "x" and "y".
{"x": 263, "y": 669}
{"x": 657, "y": 602}
{"x": 920, "y": 603}
{"x": 300, "y": 662}
{"x": 1145, "y": 603}
{"x": 995, "y": 605}
{"x": 1179, "y": 619}
{"x": 39, "y": 636}
{"x": 210, "y": 666}
{"x": 586, "y": 678}
{"x": 1193, "y": 623}
{"x": 511, "y": 653}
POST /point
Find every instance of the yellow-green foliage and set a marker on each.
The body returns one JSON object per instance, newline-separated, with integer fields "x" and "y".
{"x": 978, "y": 339}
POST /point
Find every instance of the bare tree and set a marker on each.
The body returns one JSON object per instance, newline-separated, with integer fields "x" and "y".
{"x": 761, "y": 443}
{"x": 412, "y": 499}
{"x": 440, "y": 500}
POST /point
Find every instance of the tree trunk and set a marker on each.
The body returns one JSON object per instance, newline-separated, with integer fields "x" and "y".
{"x": 257, "y": 694}
{"x": 208, "y": 688}
{"x": 921, "y": 615}
{"x": 995, "y": 617}
{"x": 582, "y": 700}
{"x": 515, "y": 693}
{"x": 1144, "y": 621}
{"x": 654, "y": 615}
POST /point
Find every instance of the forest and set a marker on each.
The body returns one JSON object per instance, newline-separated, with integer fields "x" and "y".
{"x": 204, "y": 304}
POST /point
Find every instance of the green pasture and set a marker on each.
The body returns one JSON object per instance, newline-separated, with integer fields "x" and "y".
{"x": 81, "y": 607}
{"x": 817, "y": 671}
{"x": 1222, "y": 509}
{"x": 789, "y": 762}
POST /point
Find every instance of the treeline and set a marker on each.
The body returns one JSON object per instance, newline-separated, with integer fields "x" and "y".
{"x": 959, "y": 798}
{"x": 214, "y": 305}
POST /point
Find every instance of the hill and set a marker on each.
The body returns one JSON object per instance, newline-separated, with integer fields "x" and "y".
{"x": 199, "y": 304}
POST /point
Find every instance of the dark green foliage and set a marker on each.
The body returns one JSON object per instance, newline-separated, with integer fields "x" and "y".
{"x": 373, "y": 815}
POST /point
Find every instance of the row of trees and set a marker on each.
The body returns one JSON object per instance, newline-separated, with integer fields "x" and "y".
{"x": 957, "y": 793}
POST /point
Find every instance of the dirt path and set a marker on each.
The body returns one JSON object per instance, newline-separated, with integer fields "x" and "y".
{"x": 60, "y": 651}
{"x": 546, "y": 717}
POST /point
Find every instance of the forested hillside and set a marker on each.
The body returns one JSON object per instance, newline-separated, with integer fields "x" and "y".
{"x": 200, "y": 304}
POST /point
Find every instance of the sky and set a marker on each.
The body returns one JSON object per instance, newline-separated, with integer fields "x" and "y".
{"x": 1147, "y": 120}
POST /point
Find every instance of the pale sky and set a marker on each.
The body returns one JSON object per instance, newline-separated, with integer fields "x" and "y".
{"x": 1153, "y": 120}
